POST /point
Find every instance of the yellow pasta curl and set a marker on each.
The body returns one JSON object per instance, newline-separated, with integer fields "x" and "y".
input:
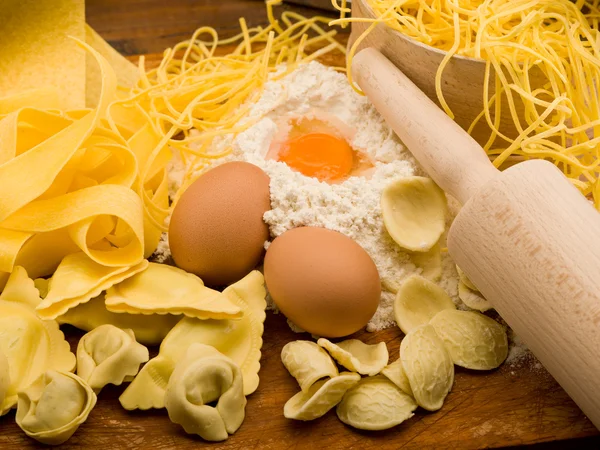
{"x": 558, "y": 40}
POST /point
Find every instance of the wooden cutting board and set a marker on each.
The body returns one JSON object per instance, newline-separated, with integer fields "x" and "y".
{"x": 514, "y": 405}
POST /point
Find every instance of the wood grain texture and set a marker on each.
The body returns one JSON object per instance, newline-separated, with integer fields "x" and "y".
{"x": 511, "y": 406}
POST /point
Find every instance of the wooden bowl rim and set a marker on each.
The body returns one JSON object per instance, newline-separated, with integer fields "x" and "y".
{"x": 413, "y": 41}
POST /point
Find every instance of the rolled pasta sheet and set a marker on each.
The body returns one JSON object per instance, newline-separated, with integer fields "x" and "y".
{"x": 307, "y": 363}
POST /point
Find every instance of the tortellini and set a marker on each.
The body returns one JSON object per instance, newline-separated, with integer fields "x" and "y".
{"x": 320, "y": 398}
{"x": 414, "y": 210}
{"x": 375, "y": 403}
{"x": 109, "y": 355}
{"x": 204, "y": 376}
{"x": 307, "y": 363}
{"x": 51, "y": 409}
{"x": 357, "y": 356}
{"x": 239, "y": 340}
{"x": 148, "y": 329}
{"x": 417, "y": 301}
{"x": 77, "y": 280}
{"x": 428, "y": 367}
{"x": 31, "y": 345}
{"x": 473, "y": 341}
{"x": 152, "y": 292}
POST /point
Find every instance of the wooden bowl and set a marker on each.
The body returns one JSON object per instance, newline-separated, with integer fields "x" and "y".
{"x": 462, "y": 80}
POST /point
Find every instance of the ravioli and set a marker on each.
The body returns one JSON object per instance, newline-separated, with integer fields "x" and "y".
{"x": 31, "y": 346}
{"x": 77, "y": 280}
{"x": 109, "y": 355}
{"x": 162, "y": 289}
{"x": 239, "y": 340}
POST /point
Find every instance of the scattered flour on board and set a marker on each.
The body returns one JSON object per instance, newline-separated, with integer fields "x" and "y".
{"x": 350, "y": 207}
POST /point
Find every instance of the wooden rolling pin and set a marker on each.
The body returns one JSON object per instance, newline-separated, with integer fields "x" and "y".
{"x": 526, "y": 237}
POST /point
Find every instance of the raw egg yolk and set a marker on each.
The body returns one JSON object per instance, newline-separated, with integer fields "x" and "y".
{"x": 318, "y": 155}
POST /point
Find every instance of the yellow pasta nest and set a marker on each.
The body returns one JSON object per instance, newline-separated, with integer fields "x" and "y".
{"x": 518, "y": 38}
{"x": 95, "y": 180}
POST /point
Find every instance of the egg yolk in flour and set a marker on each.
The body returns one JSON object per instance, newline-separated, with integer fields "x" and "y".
{"x": 319, "y": 155}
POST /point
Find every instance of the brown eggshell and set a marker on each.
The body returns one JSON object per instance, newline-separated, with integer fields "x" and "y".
{"x": 217, "y": 230}
{"x": 322, "y": 281}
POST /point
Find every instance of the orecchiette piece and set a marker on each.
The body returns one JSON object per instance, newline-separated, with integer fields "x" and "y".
{"x": 239, "y": 340}
{"x": 429, "y": 262}
{"x": 395, "y": 373}
{"x": 204, "y": 376}
{"x": 320, "y": 398}
{"x": 151, "y": 292}
{"x": 109, "y": 355}
{"x": 417, "y": 301}
{"x": 375, "y": 403}
{"x": 51, "y": 409}
{"x": 77, "y": 280}
{"x": 148, "y": 329}
{"x": 465, "y": 279}
{"x": 428, "y": 367}
{"x": 473, "y": 299}
{"x": 474, "y": 341}
{"x": 307, "y": 363}
{"x": 414, "y": 210}
{"x": 357, "y": 356}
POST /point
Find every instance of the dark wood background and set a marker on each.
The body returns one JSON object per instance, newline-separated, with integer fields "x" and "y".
{"x": 509, "y": 407}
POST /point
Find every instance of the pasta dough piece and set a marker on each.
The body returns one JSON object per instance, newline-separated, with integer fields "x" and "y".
{"x": 109, "y": 355}
{"x": 428, "y": 367}
{"x": 414, "y": 210}
{"x": 375, "y": 403}
{"x": 152, "y": 292}
{"x": 307, "y": 363}
{"x": 30, "y": 345}
{"x": 41, "y": 285}
{"x": 473, "y": 299}
{"x": 204, "y": 376}
{"x": 357, "y": 356}
{"x": 149, "y": 330}
{"x": 320, "y": 398}
{"x": 77, "y": 280}
{"x": 473, "y": 341}
{"x": 4, "y": 377}
{"x": 239, "y": 340}
{"x": 395, "y": 373}
{"x": 53, "y": 407}
{"x": 417, "y": 301}
{"x": 21, "y": 289}
{"x": 429, "y": 262}
{"x": 465, "y": 280}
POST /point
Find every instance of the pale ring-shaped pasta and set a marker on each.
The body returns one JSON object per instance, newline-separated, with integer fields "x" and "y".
{"x": 473, "y": 299}
{"x": 417, "y": 301}
{"x": 51, "y": 409}
{"x": 204, "y": 376}
{"x": 375, "y": 403}
{"x": 428, "y": 367}
{"x": 307, "y": 363}
{"x": 320, "y": 398}
{"x": 109, "y": 355}
{"x": 414, "y": 210}
{"x": 473, "y": 341}
{"x": 357, "y": 356}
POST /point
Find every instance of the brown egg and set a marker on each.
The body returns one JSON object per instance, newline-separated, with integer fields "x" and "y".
{"x": 322, "y": 281}
{"x": 217, "y": 230}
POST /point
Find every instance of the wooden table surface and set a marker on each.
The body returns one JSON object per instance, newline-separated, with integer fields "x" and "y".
{"x": 512, "y": 406}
